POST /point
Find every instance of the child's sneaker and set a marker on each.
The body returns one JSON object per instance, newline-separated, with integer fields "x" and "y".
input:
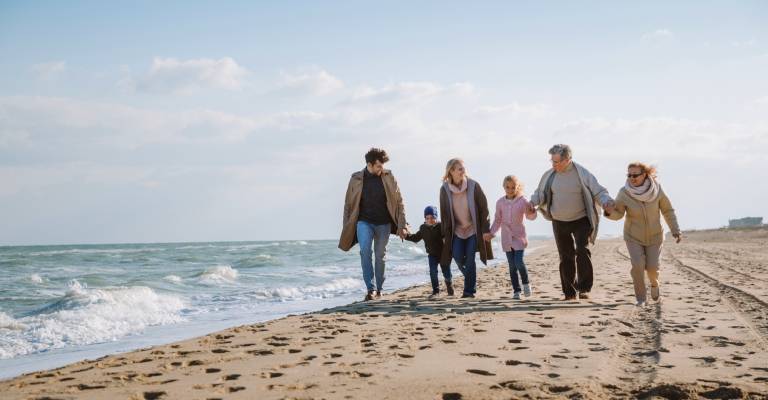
{"x": 516, "y": 296}
{"x": 434, "y": 294}
{"x": 449, "y": 288}
{"x": 527, "y": 290}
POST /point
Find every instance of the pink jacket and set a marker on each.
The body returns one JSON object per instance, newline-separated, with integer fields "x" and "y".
{"x": 509, "y": 217}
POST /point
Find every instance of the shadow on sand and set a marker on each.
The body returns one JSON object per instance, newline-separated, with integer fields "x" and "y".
{"x": 411, "y": 306}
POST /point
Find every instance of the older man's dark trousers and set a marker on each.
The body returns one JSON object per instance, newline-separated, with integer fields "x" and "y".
{"x": 572, "y": 240}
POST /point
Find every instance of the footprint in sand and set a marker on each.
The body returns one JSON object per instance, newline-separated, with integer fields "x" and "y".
{"x": 261, "y": 352}
{"x": 212, "y": 370}
{"x": 480, "y": 372}
{"x": 481, "y": 355}
{"x": 516, "y": 362}
{"x": 559, "y": 389}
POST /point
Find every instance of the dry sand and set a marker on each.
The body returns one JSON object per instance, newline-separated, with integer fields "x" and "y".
{"x": 708, "y": 338}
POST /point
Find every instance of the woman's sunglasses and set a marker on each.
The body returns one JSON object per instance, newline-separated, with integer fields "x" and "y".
{"x": 633, "y": 176}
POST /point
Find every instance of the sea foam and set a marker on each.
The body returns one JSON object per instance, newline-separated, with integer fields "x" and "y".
{"x": 85, "y": 316}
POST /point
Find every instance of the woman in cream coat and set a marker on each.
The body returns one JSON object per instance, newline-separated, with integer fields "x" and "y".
{"x": 643, "y": 202}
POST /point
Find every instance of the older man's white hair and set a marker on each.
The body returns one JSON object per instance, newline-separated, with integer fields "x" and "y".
{"x": 563, "y": 150}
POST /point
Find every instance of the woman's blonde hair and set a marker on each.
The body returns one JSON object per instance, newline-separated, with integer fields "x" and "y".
{"x": 448, "y": 167}
{"x": 516, "y": 182}
{"x": 647, "y": 169}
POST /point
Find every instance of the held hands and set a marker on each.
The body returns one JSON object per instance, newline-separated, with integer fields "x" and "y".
{"x": 678, "y": 237}
{"x": 609, "y": 206}
{"x": 487, "y": 237}
{"x": 403, "y": 233}
{"x": 531, "y": 208}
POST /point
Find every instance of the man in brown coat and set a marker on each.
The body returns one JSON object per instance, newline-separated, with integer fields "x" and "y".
{"x": 373, "y": 209}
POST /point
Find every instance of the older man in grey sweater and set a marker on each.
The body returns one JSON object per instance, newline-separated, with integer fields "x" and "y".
{"x": 568, "y": 195}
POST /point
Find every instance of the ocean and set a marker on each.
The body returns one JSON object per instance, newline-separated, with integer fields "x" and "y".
{"x": 61, "y": 304}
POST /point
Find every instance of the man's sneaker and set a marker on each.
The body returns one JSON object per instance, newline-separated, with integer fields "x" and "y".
{"x": 516, "y": 296}
{"x": 449, "y": 288}
{"x": 584, "y": 295}
{"x": 434, "y": 294}
{"x": 369, "y": 296}
{"x": 655, "y": 293}
{"x": 467, "y": 296}
{"x": 378, "y": 294}
{"x": 527, "y": 290}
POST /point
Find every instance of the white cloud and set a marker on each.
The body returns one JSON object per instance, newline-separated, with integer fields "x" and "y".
{"x": 515, "y": 110}
{"x": 745, "y": 43}
{"x": 658, "y": 35}
{"x": 170, "y": 75}
{"x": 675, "y": 138}
{"x": 313, "y": 81}
{"x": 405, "y": 91}
{"x": 49, "y": 70}
{"x": 51, "y": 121}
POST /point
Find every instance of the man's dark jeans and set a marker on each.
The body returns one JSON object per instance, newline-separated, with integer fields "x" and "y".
{"x": 572, "y": 240}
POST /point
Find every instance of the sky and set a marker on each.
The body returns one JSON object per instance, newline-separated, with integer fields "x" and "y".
{"x": 125, "y": 122}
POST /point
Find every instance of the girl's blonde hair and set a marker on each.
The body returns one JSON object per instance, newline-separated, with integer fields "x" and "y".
{"x": 516, "y": 182}
{"x": 647, "y": 169}
{"x": 448, "y": 167}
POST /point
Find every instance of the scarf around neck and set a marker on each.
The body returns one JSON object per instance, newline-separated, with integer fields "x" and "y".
{"x": 646, "y": 192}
{"x": 459, "y": 189}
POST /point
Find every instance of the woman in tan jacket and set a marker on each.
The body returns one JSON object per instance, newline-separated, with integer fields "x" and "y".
{"x": 644, "y": 202}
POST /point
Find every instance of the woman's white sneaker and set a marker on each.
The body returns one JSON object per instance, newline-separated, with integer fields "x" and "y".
{"x": 527, "y": 290}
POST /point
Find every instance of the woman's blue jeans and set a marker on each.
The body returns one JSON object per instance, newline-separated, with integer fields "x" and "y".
{"x": 463, "y": 252}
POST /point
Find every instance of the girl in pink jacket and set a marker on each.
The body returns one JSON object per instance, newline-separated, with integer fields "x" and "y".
{"x": 510, "y": 210}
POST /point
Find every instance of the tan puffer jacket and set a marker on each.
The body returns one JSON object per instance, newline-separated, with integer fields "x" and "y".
{"x": 643, "y": 222}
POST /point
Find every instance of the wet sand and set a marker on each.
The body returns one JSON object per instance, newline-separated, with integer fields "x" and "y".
{"x": 707, "y": 338}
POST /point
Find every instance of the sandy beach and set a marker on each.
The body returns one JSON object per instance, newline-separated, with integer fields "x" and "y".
{"x": 708, "y": 338}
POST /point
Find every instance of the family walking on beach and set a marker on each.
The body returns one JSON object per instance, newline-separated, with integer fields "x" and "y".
{"x": 567, "y": 194}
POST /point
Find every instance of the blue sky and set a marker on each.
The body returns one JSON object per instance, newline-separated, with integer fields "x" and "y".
{"x": 182, "y": 121}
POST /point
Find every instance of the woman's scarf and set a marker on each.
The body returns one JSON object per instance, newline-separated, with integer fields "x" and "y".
{"x": 646, "y": 192}
{"x": 459, "y": 189}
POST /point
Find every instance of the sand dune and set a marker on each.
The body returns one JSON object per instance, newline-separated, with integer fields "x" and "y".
{"x": 708, "y": 338}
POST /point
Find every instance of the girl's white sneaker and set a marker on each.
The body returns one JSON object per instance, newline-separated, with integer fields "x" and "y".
{"x": 527, "y": 290}
{"x": 516, "y": 296}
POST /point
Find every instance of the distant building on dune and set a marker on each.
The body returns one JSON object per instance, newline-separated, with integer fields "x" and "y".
{"x": 745, "y": 222}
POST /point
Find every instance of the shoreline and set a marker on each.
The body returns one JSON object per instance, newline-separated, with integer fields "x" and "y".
{"x": 408, "y": 346}
{"x": 167, "y": 334}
